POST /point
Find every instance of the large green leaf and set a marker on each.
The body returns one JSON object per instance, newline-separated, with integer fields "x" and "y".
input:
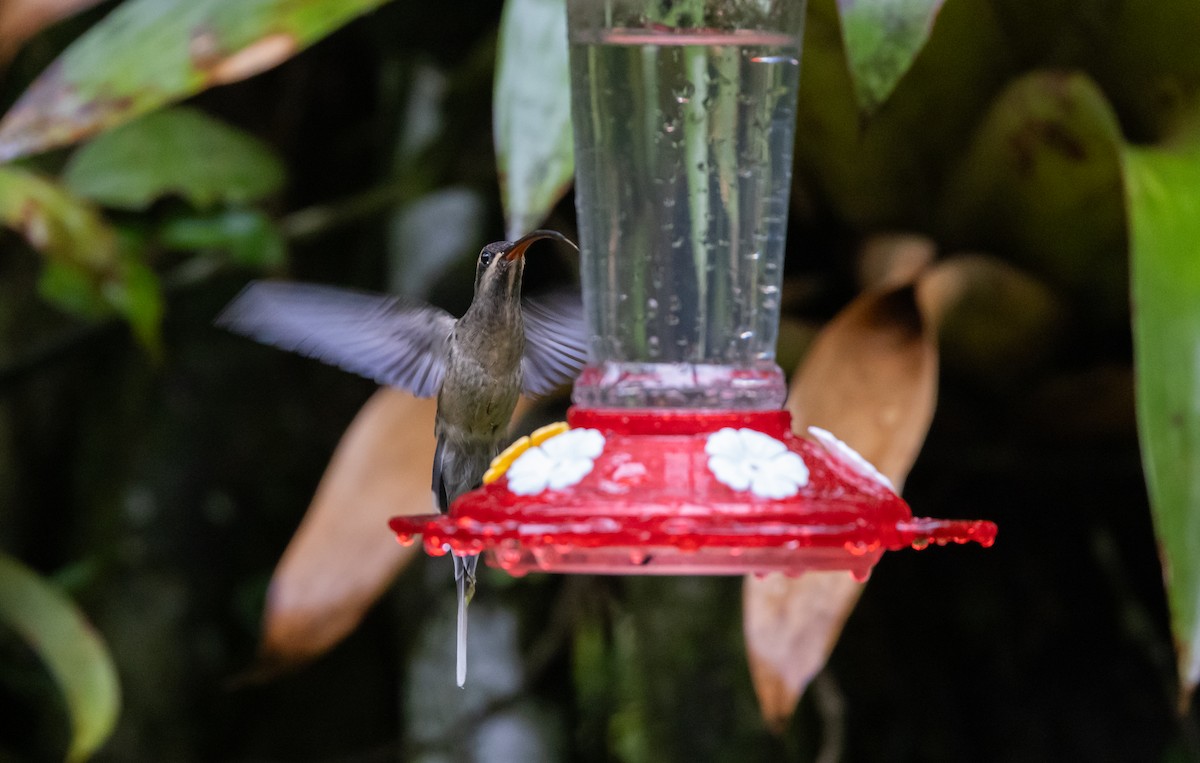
{"x": 72, "y": 650}
{"x": 532, "y": 112}
{"x": 89, "y": 271}
{"x": 1041, "y": 183}
{"x": 1163, "y": 194}
{"x": 883, "y": 37}
{"x": 148, "y": 53}
{"x": 178, "y": 151}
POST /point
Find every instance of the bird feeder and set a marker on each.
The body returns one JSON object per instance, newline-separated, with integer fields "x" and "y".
{"x": 677, "y": 457}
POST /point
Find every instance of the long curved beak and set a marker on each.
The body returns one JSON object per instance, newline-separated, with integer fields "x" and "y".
{"x": 520, "y": 245}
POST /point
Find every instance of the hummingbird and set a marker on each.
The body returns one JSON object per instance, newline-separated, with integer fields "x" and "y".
{"x": 476, "y": 366}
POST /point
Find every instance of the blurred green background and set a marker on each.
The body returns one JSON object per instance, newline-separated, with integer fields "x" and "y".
{"x": 154, "y": 468}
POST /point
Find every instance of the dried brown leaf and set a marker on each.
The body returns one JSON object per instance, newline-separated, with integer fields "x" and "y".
{"x": 791, "y": 627}
{"x": 343, "y": 556}
{"x": 871, "y": 379}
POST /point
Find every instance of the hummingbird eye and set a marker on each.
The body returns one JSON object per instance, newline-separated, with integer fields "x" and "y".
{"x": 485, "y": 258}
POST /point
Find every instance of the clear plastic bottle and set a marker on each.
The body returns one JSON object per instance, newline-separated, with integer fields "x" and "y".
{"x": 684, "y": 118}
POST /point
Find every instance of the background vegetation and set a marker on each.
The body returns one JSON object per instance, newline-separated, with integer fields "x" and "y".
{"x": 978, "y": 191}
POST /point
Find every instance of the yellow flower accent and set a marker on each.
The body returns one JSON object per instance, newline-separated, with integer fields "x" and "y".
{"x": 539, "y": 436}
{"x": 501, "y": 462}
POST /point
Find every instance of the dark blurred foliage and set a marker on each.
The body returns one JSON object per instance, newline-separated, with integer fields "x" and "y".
{"x": 161, "y": 494}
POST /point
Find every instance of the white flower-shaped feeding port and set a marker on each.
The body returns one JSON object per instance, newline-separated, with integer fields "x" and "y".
{"x": 746, "y": 459}
{"x": 559, "y": 462}
{"x": 849, "y": 456}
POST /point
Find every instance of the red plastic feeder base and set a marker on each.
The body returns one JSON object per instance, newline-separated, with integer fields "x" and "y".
{"x": 637, "y": 492}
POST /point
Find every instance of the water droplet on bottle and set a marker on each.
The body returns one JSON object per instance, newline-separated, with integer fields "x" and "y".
{"x": 652, "y": 304}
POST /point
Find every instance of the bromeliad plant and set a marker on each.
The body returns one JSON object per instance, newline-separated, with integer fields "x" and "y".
{"x": 1064, "y": 141}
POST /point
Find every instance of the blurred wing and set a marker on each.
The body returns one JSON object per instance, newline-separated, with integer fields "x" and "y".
{"x": 556, "y": 342}
{"x": 373, "y": 335}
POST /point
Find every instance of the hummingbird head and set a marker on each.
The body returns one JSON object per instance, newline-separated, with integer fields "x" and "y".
{"x": 498, "y": 274}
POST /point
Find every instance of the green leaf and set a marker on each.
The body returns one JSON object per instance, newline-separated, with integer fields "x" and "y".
{"x": 71, "y": 289}
{"x": 883, "y": 37}
{"x": 148, "y": 53}
{"x": 72, "y": 650}
{"x": 247, "y": 236}
{"x": 65, "y": 229}
{"x": 90, "y": 271}
{"x": 532, "y": 112}
{"x": 1041, "y": 184}
{"x": 137, "y": 296}
{"x": 1163, "y": 194}
{"x": 178, "y": 151}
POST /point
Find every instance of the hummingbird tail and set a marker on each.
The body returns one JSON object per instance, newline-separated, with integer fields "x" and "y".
{"x": 460, "y": 668}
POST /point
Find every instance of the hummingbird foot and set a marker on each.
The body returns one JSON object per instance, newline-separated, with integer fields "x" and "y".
{"x": 469, "y": 565}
